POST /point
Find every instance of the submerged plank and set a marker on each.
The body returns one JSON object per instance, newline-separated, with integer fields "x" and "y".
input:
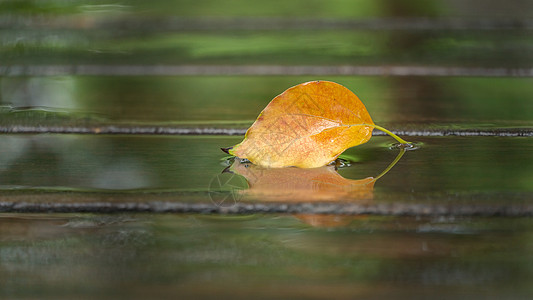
{"x": 398, "y": 209}
{"x": 175, "y": 130}
{"x": 261, "y": 70}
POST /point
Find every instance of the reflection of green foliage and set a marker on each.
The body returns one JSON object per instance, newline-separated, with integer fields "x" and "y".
{"x": 333, "y": 8}
{"x": 490, "y": 98}
{"x": 260, "y": 8}
{"x": 41, "y": 117}
{"x": 284, "y": 46}
{"x": 200, "y": 255}
{"x": 74, "y": 161}
{"x": 479, "y": 169}
{"x": 202, "y": 98}
{"x": 317, "y": 47}
{"x": 38, "y": 7}
{"x": 169, "y": 253}
{"x": 412, "y": 8}
{"x": 86, "y": 42}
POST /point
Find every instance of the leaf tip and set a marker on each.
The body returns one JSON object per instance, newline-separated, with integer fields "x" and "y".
{"x": 227, "y": 150}
{"x": 227, "y": 170}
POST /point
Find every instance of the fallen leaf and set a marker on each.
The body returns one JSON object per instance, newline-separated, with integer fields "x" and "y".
{"x": 305, "y": 185}
{"x": 307, "y": 126}
{"x": 301, "y": 185}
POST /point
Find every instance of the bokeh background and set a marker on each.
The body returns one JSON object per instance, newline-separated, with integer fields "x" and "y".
{"x": 427, "y": 68}
{"x": 417, "y": 65}
{"x": 97, "y": 38}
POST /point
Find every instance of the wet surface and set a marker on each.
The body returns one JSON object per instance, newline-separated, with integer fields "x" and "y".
{"x": 459, "y": 171}
{"x": 401, "y": 101}
{"x": 194, "y": 256}
{"x": 113, "y": 185}
{"x": 140, "y": 39}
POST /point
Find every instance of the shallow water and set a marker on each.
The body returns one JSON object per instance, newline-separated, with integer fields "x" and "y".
{"x": 475, "y": 170}
{"x": 87, "y": 213}
{"x": 265, "y": 256}
{"x": 418, "y": 102}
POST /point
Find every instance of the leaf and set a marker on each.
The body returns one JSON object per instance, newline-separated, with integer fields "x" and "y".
{"x": 308, "y": 185}
{"x": 306, "y": 126}
{"x": 302, "y": 185}
{"x": 305, "y": 185}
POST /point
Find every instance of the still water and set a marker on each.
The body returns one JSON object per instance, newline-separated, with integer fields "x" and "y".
{"x": 60, "y": 251}
{"x": 419, "y": 102}
{"x": 133, "y": 256}
{"x": 128, "y": 255}
{"x": 443, "y": 168}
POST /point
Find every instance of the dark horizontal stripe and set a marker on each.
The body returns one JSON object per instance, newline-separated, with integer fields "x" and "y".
{"x": 398, "y": 209}
{"x": 258, "y": 70}
{"x": 143, "y": 24}
{"x": 121, "y": 130}
{"x": 464, "y": 132}
{"x": 156, "y": 130}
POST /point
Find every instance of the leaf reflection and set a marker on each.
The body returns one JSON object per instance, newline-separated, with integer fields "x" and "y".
{"x": 297, "y": 185}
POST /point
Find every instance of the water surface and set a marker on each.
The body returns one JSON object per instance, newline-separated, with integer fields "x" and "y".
{"x": 265, "y": 256}
{"x": 477, "y": 170}
{"x": 62, "y": 70}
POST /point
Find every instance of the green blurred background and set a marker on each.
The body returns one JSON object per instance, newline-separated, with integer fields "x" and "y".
{"x": 328, "y": 35}
{"x": 266, "y": 33}
{"x": 85, "y": 65}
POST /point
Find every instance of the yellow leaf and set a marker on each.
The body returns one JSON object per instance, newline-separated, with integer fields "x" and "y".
{"x": 295, "y": 185}
{"x": 306, "y": 185}
{"x": 302, "y": 185}
{"x": 307, "y": 126}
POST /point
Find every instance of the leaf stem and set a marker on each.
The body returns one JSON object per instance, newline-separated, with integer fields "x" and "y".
{"x": 402, "y": 151}
{"x": 399, "y": 139}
